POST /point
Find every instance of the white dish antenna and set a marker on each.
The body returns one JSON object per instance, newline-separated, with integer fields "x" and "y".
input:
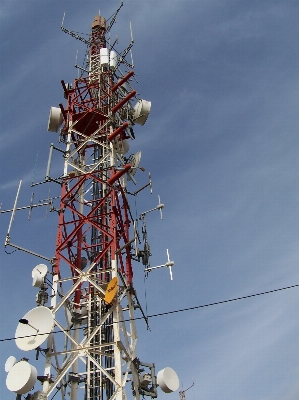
{"x": 55, "y": 119}
{"x": 121, "y": 146}
{"x": 21, "y": 377}
{"x": 40, "y": 269}
{"x": 38, "y": 274}
{"x": 134, "y": 161}
{"x": 168, "y": 380}
{"x": 34, "y": 328}
{"x": 10, "y": 362}
{"x": 141, "y": 111}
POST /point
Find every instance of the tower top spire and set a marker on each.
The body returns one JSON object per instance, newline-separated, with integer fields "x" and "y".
{"x": 99, "y": 22}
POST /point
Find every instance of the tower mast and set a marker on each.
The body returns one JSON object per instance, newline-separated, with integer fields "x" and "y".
{"x": 89, "y": 326}
{"x": 93, "y": 226}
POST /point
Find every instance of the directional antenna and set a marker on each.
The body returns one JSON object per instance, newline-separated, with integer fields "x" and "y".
{"x": 134, "y": 160}
{"x": 21, "y": 378}
{"x": 10, "y": 362}
{"x": 55, "y": 119}
{"x": 31, "y": 206}
{"x": 168, "y": 380}
{"x": 150, "y": 182}
{"x": 132, "y": 41}
{"x": 129, "y": 175}
{"x": 38, "y": 274}
{"x": 141, "y": 111}
{"x": 145, "y": 186}
{"x": 34, "y": 328}
{"x": 169, "y": 264}
{"x": 160, "y": 206}
{"x": 135, "y": 236}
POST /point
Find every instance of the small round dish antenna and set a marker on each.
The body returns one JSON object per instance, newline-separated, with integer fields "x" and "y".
{"x": 141, "y": 111}
{"x": 34, "y": 328}
{"x": 55, "y": 119}
{"x": 21, "y": 378}
{"x": 168, "y": 380}
{"x": 40, "y": 269}
{"x": 38, "y": 274}
{"x": 134, "y": 160}
{"x": 111, "y": 291}
{"x": 10, "y": 362}
{"x": 121, "y": 146}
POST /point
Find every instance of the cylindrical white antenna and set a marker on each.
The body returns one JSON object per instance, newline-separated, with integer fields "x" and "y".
{"x": 14, "y": 210}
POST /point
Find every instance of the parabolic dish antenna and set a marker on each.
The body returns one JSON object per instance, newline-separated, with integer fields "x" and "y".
{"x": 40, "y": 269}
{"x": 10, "y": 362}
{"x": 29, "y": 335}
{"x": 122, "y": 146}
{"x": 134, "y": 161}
{"x": 38, "y": 274}
{"x": 111, "y": 290}
{"x": 141, "y": 111}
{"x": 55, "y": 119}
{"x": 21, "y": 377}
{"x": 168, "y": 380}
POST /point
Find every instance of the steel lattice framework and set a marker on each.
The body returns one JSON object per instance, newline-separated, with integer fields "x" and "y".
{"x": 89, "y": 325}
{"x": 93, "y": 242}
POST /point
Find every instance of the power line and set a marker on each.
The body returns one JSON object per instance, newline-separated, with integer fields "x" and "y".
{"x": 174, "y": 311}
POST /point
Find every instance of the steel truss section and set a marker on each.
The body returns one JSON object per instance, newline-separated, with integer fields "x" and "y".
{"x": 93, "y": 343}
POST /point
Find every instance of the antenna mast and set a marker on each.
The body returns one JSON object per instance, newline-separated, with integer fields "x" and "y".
{"x": 89, "y": 333}
{"x": 182, "y": 392}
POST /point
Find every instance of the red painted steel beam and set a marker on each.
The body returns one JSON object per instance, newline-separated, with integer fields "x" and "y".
{"x": 122, "y": 81}
{"x": 117, "y": 131}
{"x": 123, "y": 101}
{"x": 118, "y": 174}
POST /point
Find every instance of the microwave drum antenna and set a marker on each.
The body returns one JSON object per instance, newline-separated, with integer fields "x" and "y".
{"x": 55, "y": 119}
{"x": 21, "y": 378}
{"x": 141, "y": 111}
{"x": 10, "y": 362}
{"x": 168, "y": 380}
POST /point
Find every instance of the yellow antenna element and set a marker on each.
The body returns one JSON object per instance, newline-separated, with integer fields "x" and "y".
{"x": 111, "y": 291}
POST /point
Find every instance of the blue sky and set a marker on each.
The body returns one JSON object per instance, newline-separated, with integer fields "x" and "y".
{"x": 222, "y": 146}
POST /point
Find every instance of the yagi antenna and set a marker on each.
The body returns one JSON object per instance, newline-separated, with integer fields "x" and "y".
{"x": 13, "y": 212}
{"x": 168, "y": 264}
{"x": 150, "y": 182}
{"x": 159, "y": 207}
{"x": 76, "y": 63}
{"x": 31, "y": 206}
{"x": 132, "y": 40}
{"x": 131, "y": 32}
{"x": 135, "y": 236}
{"x": 145, "y": 186}
{"x": 63, "y": 19}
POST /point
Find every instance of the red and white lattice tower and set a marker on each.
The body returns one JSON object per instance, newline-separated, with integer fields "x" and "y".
{"x": 93, "y": 299}
{"x": 93, "y": 242}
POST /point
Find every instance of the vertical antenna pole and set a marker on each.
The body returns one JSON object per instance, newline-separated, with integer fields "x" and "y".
{"x": 63, "y": 19}
{"x": 34, "y": 168}
{"x": 132, "y": 40}
{"x": 13, "y": 213}
{"x": 49, "y": 162}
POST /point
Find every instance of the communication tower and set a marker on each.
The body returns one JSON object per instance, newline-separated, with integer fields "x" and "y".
{"x": 84, "y": 321}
